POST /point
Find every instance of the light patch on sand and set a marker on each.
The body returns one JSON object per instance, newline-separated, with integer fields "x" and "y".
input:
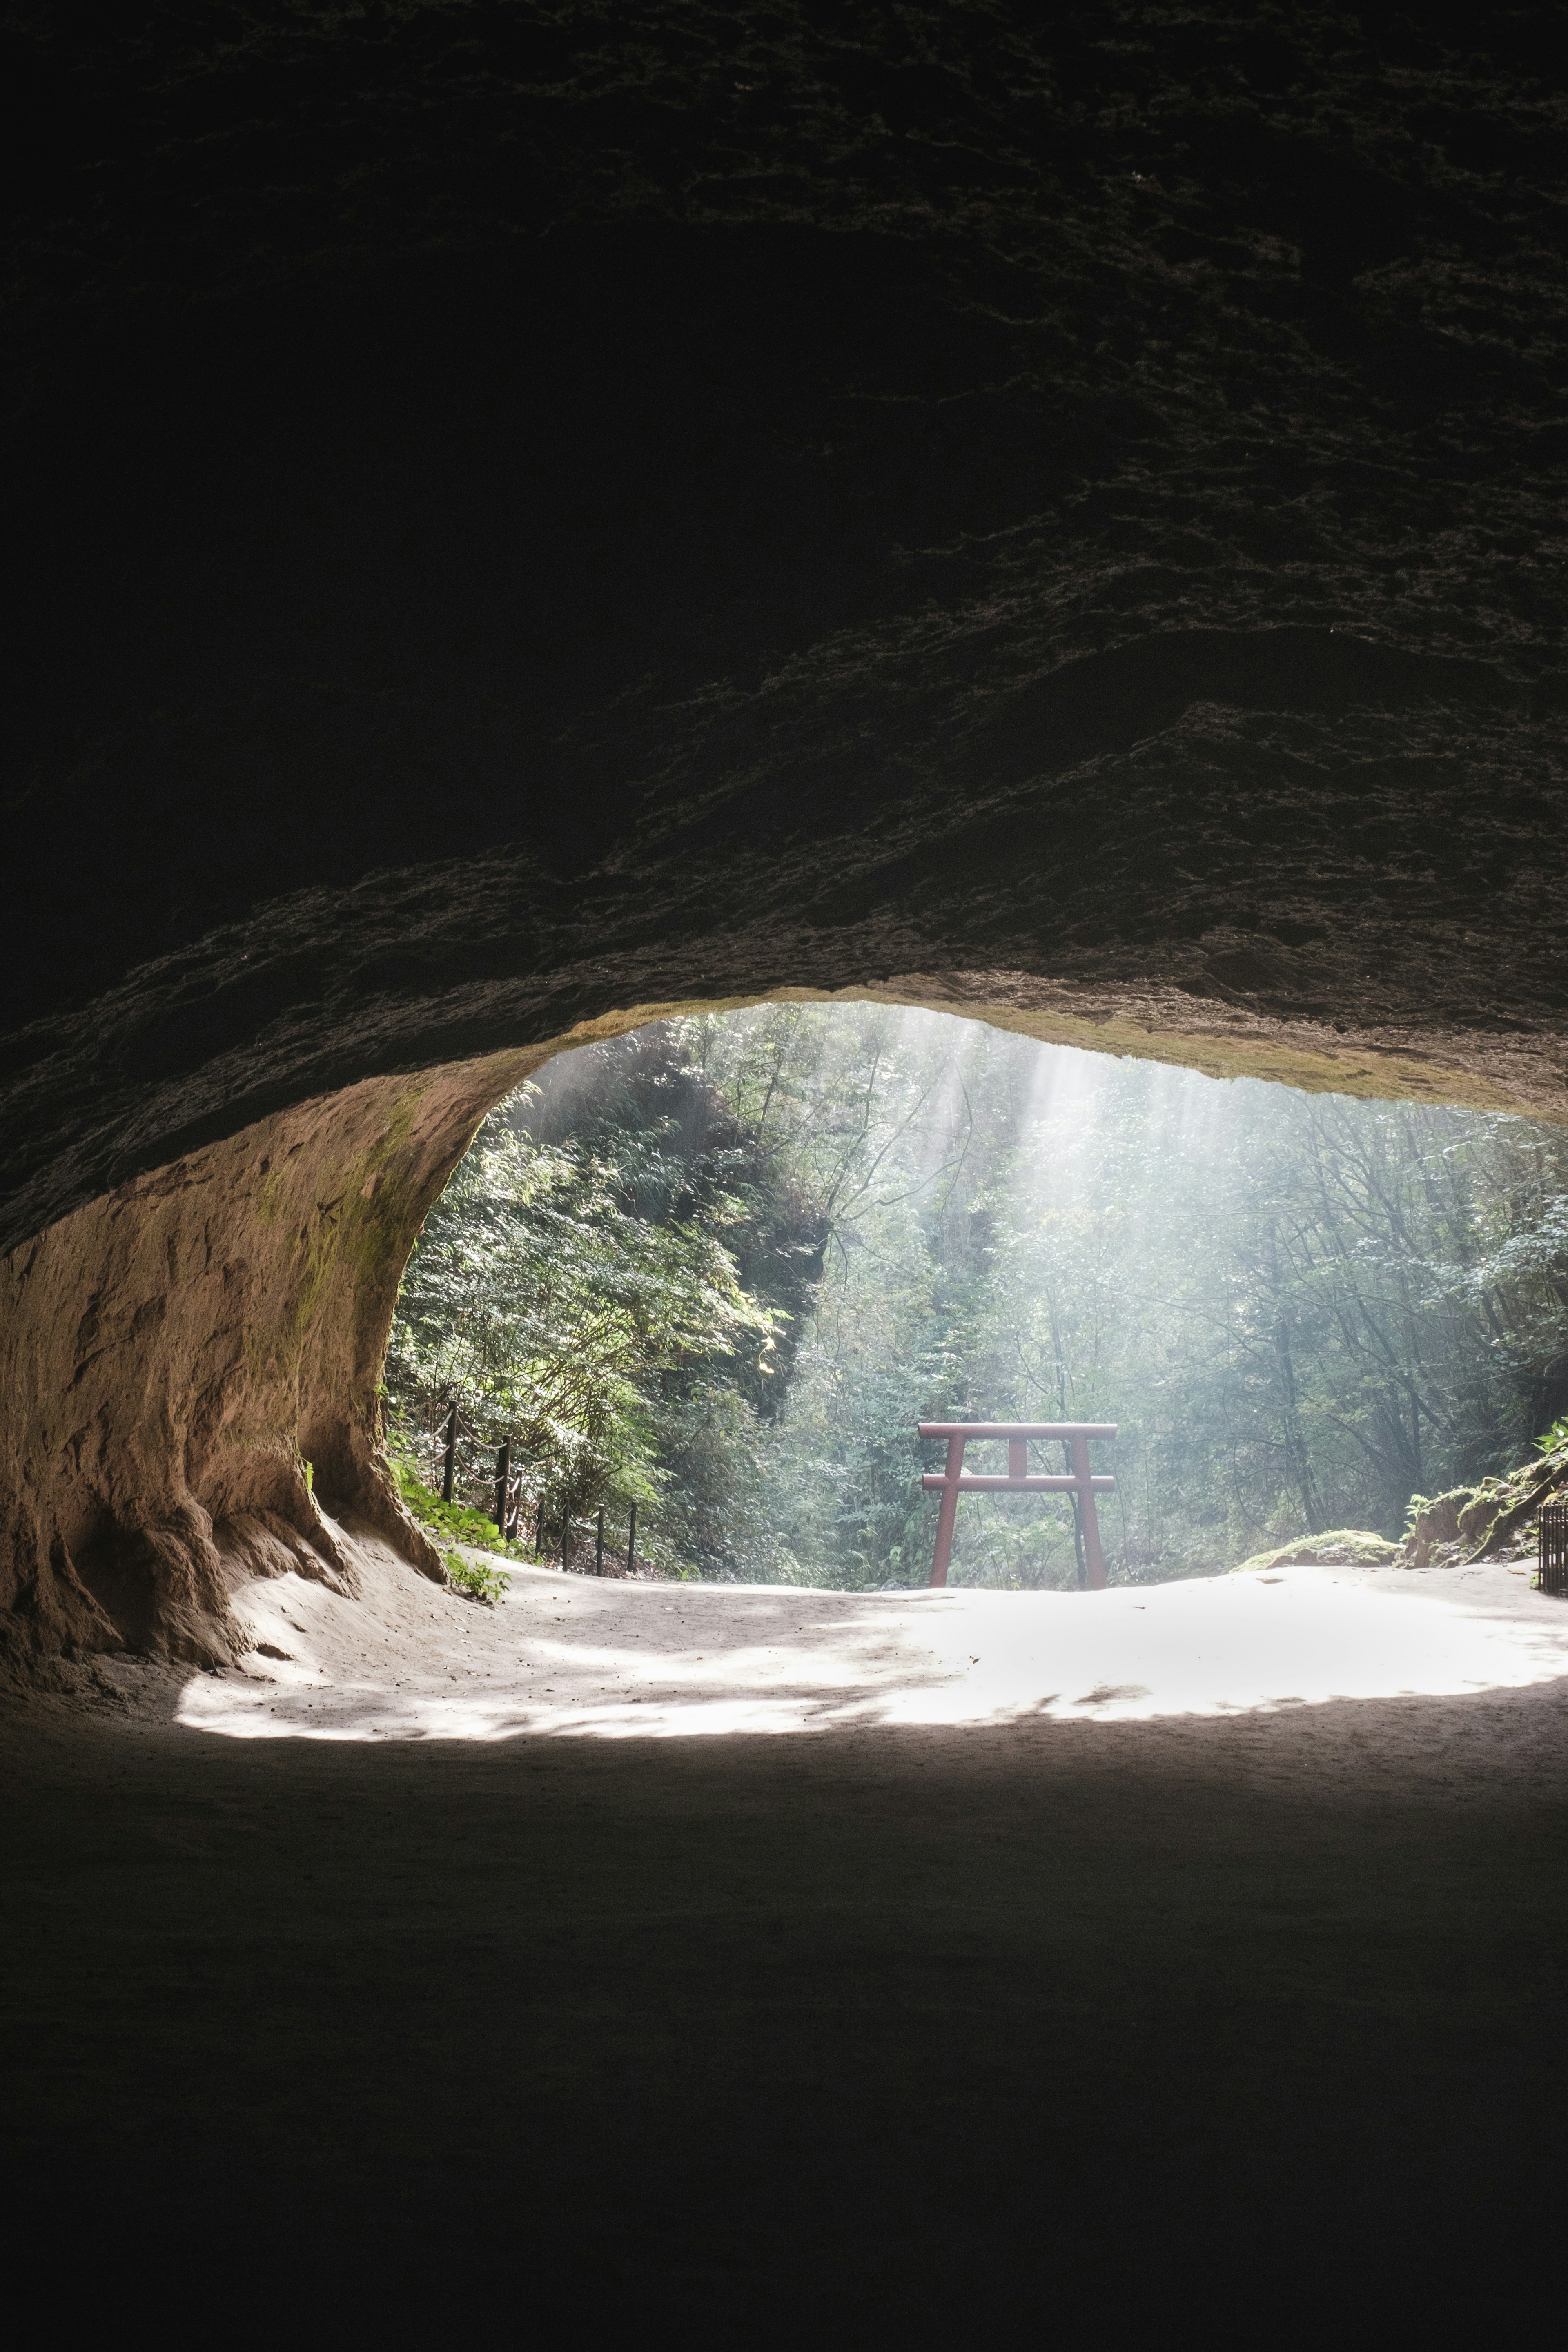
{"x": 565, "y": 1656}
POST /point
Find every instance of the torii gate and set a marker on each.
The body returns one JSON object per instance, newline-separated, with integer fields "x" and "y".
{"x": 953, "y": 1481}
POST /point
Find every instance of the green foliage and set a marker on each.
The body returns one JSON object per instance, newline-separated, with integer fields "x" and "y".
{"x": 452, "y": 1525}
{"x": 453, "y": 1520}
{"x": 1552, "y": 1440}
{"x": 476, "y": 1579}
{"x": 1297, "y": 1308}
{"x": 576, "y": 1295}
{"x": 722, "y": 1268}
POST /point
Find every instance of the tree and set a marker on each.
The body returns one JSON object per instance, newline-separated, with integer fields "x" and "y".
{"x": 552, "y": 1313}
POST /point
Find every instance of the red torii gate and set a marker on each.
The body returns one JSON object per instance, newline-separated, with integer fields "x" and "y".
{"x": 953, "y": 1482}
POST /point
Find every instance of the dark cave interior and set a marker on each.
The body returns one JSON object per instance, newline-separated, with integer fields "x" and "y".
{"x": 523, "y": 519}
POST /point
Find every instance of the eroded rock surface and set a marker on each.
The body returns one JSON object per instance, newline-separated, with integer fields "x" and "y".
{"x": 190, "y": 1367}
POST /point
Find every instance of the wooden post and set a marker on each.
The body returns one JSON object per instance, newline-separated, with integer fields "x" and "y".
{"x": 949, "y": 1511}
{"x": 449, "y": 1459}
{"x": 503, "y": 1486}
{"x": 599, "y": 1544}
{"x": 539, "y": 1529}
{"x": 632, "y": 1540}
{"x": 1092, "y": 1553}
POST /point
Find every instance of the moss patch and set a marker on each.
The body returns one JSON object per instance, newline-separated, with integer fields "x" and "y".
{"x": 1340, "y": 1548}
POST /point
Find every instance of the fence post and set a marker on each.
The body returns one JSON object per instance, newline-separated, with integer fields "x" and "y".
{"x": 503, "y": 1486}
{"x": 632, "y": 1540}
{"x": 539, "y": 1529}
{"x": 599, "y": 1544}
{"x": 450, "y": 1458}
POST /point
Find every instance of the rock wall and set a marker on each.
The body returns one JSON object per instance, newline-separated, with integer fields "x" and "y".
{"x": 190, "y": 1368}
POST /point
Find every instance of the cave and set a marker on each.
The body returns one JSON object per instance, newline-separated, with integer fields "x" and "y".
{"x": 523, "y": 523}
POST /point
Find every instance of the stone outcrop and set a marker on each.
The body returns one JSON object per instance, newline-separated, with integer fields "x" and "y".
{"x": 190, "y": 1367}
{"x": 1491, "y": 1520}
{"x": 1485, "y": 1521}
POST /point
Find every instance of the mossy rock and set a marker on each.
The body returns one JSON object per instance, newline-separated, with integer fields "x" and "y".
{"x": 1476, "y": 1517}
{"x": 1340, "y": 1548}
{"x": 1440, "y": 1519}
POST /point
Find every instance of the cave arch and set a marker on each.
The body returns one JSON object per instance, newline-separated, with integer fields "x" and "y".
{"x": 191, "y": 1359}
{"x": 690, "y": 552}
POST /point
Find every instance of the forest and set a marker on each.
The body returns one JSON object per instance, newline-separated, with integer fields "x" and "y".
{"x": 719, "y": 1269}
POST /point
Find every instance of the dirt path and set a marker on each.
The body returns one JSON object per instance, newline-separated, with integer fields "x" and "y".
{"x": 770, "y": 1965}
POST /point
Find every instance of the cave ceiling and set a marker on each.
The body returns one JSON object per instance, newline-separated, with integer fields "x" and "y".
{"x": 520, "y": 513}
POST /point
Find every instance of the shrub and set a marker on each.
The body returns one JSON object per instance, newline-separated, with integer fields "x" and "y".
{"x": 451, "y": 1525}
{"x": 474, "y": 1580}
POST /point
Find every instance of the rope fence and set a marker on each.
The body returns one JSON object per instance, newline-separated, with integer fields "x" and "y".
{"x": 507, "y": 1496}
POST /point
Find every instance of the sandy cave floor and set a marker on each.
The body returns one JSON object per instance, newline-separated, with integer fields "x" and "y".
{"x": 785, "y": 1960}
{"x": 569, "y": 1654}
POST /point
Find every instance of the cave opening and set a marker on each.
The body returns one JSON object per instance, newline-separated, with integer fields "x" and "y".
{"x": 711, "y": 1265}
{"x": 706, "y": 1278}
